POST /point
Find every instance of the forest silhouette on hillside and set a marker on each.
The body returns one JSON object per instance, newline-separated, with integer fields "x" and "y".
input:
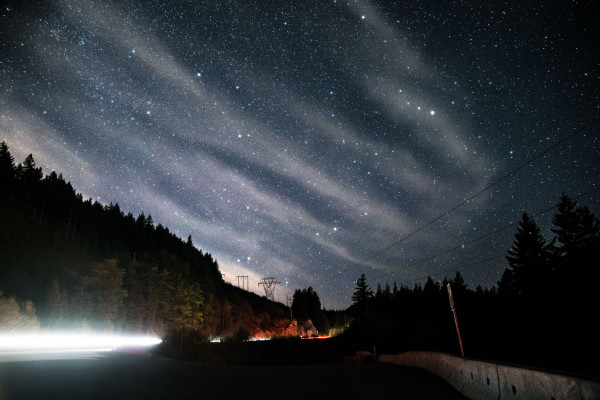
{"x": 72, "y": 263}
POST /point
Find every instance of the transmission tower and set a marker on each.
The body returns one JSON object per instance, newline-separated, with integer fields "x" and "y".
{"x": 269, "y": 286}
{"x": 244, "y": 279}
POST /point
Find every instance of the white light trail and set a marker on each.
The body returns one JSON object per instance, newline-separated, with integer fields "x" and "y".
{"x": 41, "y": 342}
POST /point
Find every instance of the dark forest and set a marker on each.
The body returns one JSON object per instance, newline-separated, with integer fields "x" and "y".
{"x": 543, "y": 311}
{"x": 71, "y": 263}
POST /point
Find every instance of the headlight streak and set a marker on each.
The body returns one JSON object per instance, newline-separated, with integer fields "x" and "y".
{"x": 70, "y": 342}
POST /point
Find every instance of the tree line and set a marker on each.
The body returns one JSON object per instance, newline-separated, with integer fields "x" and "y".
{"x": 70, "y": 262}
{"x": 543, "y": 310}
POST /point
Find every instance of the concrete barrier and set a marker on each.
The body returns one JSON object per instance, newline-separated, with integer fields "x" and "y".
{"x": 480, "y": 380}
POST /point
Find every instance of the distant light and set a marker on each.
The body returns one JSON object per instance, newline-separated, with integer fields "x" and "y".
{"x": 432, "y": 112}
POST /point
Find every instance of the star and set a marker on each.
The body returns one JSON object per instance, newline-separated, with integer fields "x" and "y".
{"x": 265, "y": 137}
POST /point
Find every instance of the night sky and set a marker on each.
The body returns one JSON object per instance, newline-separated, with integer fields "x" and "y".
{"x": 301, "y": 139}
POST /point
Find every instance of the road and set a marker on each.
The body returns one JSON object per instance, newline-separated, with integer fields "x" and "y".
{"x": 112, "y": 375}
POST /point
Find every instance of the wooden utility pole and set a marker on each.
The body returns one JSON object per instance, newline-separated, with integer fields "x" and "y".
{"x": 453, "y": 308}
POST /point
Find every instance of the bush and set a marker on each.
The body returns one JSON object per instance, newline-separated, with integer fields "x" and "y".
{"x": 242, "y": 334}
{"x": 15, "y": 316}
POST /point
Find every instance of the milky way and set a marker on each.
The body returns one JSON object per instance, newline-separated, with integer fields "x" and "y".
{"x": 301, "y": 139}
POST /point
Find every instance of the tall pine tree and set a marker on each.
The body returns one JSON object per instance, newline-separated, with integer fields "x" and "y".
{"x": 578, "y": 233}
{"x": 7, "y": 166}
{"x": 362, "y": 292}
{"x": 28, "y": 173}
{"x": 577, "y": 230}
{"x": 528, "y": 259}
{"x": 361, "y": 297}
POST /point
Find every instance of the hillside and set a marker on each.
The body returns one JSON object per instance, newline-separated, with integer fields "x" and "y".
{"x": 83, "y": 264}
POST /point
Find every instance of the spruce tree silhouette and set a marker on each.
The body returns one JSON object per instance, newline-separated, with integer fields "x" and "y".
{"x": 7, "y": 170}
{"x": 528, "y": 258}
{"x": 28, "y": 173}
{"x": 578, "y": 272}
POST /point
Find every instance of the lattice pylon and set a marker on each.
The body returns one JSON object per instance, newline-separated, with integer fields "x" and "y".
{"x": 269, "y": 285}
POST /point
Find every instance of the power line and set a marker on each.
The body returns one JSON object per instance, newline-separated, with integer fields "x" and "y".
{"x": 444, "y": 252}
{"x": 531, "y": 160}
{"x": 477, "y": 194}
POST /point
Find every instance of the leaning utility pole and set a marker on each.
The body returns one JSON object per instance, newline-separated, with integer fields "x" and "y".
{"x": 455, "y": 319}
{"x": 269, "y": 286}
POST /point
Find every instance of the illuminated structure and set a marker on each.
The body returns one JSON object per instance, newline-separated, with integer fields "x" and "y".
{"x": 269, "y": 286}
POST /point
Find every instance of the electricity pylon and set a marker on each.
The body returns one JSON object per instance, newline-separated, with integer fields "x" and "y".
{"x": 244, "y": 282}
{"x": 269, "y": 286}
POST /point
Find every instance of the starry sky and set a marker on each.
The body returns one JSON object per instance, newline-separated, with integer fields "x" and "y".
{"x": 312, "y": 141}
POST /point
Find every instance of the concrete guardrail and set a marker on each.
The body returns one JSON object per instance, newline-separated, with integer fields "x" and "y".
{"x": 485, "y": 380}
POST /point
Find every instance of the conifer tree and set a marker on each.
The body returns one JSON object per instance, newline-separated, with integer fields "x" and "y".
{"x": 578, "y": 234}
{"x": 458, "y": 283}
{"x": 431, "y": 288}
{"x": 7, "y": 167}
{"x": 362, "y": 292}
{"x": 577, "y": 229}
{"x": 141, "y": 220}
{"x": 107, "y": 292}
{"x": 528, "y": 258}
{"x": 149, "y": 223}
{"x": 387, "y": 292}
{"x": 28, "y": 173}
